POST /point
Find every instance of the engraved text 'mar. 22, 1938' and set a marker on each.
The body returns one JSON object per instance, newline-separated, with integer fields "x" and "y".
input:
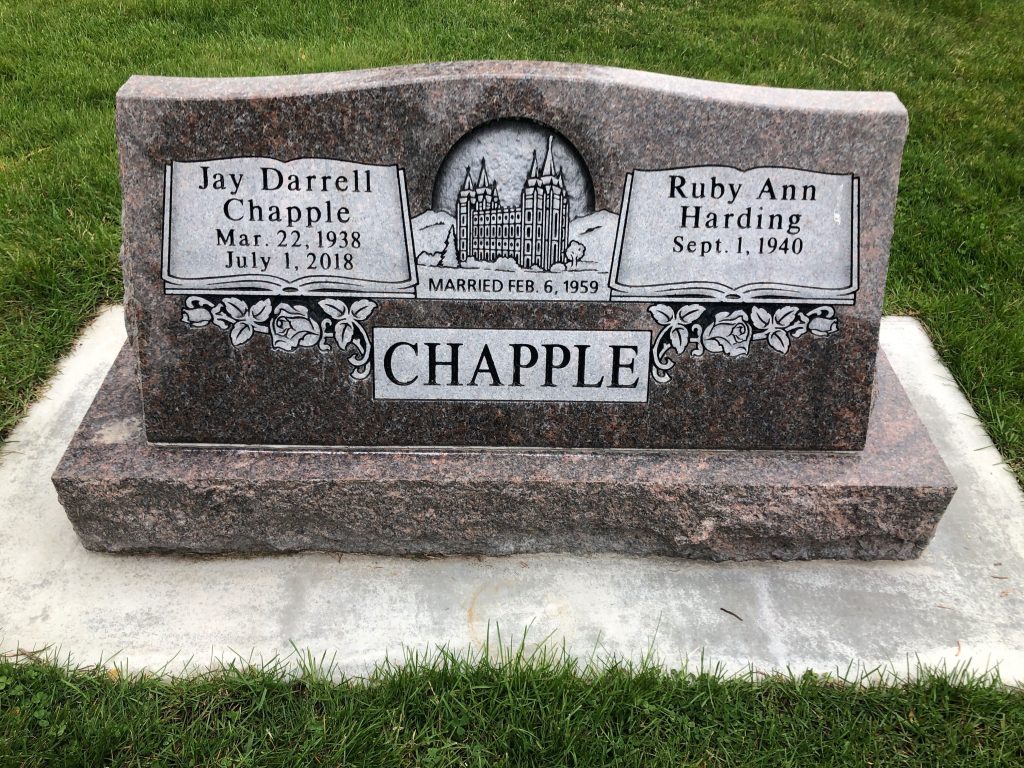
{"x": 257, "y": 225}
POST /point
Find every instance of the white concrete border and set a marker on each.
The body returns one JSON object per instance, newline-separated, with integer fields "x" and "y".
{"x": 961, "y": 603}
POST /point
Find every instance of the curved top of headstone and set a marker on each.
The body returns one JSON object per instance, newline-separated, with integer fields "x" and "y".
{"x": 617, "y": 119}
{"x": 571, "y": 75}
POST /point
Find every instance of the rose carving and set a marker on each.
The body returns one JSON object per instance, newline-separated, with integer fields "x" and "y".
{"x": 196, "y": 317}
{"x": 689, "y": 328}
{"x": 822, "y": 326}
{"x": 728, "y": 334}
{"x": 292, "y": 327}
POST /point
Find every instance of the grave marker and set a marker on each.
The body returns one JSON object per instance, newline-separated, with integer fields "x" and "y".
{"x": 514, "y": 256}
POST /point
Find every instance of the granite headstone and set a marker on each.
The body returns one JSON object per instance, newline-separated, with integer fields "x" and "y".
{"x": 509, "y": 255}
{"x": 506, "y": 255}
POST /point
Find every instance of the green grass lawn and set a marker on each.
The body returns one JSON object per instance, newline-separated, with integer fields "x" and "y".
{"x": 957, "y": 261}
{"x": 540, "y": 710}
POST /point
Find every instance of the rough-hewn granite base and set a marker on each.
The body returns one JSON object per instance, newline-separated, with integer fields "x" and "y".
{"x": 125, "y": 495}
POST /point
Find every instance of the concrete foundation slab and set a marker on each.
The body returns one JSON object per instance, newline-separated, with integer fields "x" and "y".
{"x": 960, "y": 602}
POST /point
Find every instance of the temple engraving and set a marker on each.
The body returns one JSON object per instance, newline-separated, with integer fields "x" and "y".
{"x": 535, "y": 234}
{"x": 513, "y": 219}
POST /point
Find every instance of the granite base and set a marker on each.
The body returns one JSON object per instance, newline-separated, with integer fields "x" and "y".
{"x": 123, "y": 494}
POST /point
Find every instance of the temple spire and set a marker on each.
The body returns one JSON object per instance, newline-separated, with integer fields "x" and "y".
{"x": 548, "y": 169}
{"x": 483, "y": 180}
{"x": 533, "y": 167}
{"x": 468, "y": 183}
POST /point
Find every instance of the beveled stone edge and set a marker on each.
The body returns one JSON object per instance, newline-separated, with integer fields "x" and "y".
{"x": 155, "y": 87}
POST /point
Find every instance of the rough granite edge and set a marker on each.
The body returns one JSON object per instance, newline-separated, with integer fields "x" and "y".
{"x": 278, "y": 86}
{"x": 124, "y": 495}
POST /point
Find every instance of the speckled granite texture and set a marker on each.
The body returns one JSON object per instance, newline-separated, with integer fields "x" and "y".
{"x": 196, "y": 388}
{"x": 125, "y": 495}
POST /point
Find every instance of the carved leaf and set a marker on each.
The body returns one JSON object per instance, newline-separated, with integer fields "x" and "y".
{"x": 334, "y": 308}
{"x": 785, "y": 316}
{"x": 688, "y": 313}
{"x": 343, "y": 333}
{"x": 241, "y": 333}
{"x": 679, "y": 339}
{"x": 363, "y": 308}
{"x": 760, "y": 318}
{"x": 779, "y": 341}
{"x": 662, "y": 313}
{"x": 235, "y": 308}
{"x": 261, "y": 311}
